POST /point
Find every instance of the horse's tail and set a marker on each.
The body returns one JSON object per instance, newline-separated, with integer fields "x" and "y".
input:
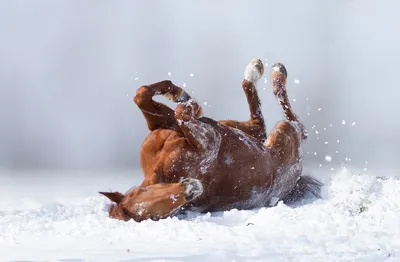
{"x": 305, "y": 185}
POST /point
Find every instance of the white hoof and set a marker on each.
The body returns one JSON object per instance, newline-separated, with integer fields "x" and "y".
{"x": 254, "y": 70}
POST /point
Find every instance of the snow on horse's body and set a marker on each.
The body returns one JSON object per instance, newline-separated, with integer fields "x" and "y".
{"x": 235, "y": 168}
{"x": 196, "y": 163}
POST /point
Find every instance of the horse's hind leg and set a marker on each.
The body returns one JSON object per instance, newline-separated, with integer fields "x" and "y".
{"x": 279, "y": 76}
{"x": 157, "y": 114}
{"x": 286, "y": 138}
{"x": 285, "y": 145}
{"x": 256, "y": 125}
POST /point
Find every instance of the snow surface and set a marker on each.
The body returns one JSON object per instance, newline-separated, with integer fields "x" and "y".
{"x": 60, "y": 217}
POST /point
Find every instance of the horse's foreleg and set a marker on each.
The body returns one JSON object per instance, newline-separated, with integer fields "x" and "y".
{"x": 202, "y": 135}
{"x": 256, "y": 125}
{"x": 197, "y": 133}
{"x": 157, "y": 114}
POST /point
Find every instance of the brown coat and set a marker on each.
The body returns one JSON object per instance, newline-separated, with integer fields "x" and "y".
{"x": 194, "y": 162}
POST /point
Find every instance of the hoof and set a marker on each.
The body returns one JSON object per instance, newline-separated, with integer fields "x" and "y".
{"x": 254, "y": 70}
{"x": 279, "y": 68}
{"x": 193, "y": 188}
{"x": 184, "y": 97}
{"x": 178, "y": 96}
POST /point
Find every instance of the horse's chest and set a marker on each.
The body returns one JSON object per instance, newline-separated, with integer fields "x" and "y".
{"x": 162, "y": 150}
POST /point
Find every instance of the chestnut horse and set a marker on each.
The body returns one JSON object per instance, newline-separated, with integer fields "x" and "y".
{"x": 191, "y": 162}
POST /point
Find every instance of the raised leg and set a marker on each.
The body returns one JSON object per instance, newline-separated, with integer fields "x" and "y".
{"x": 155, "y": 202}
{"x": 286, "y": 138}
{"x": 256, "y": 125}
{"x": 279, "y": 76}
{"x": 157, "y": 114}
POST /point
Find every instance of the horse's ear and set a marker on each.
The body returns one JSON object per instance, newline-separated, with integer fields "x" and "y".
{"x": 116, "y": 197}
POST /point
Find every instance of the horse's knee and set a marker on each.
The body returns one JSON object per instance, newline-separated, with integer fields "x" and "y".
{"x": 143, "y": 95}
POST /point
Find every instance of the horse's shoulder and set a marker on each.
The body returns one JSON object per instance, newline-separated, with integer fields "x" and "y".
{"x": 160, "y": 134}
{"x": 160, "y": 138}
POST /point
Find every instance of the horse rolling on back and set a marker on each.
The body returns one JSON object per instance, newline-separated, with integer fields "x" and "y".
{"x": 191, "y": 162}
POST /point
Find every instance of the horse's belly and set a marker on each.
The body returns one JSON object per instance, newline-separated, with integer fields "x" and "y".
{"x": 240, "y": 182}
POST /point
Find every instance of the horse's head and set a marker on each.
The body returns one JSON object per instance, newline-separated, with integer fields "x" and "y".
{"x": 116, "y": 211}
{"x": 155, "y": 201}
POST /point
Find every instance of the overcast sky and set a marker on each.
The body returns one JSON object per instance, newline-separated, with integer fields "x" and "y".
{"x": 69, "y": 71}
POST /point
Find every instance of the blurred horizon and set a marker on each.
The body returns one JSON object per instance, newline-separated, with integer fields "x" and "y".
{"x": 70, "y": 69}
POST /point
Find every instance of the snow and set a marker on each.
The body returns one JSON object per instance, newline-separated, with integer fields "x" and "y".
{"x": 55, "y": 216}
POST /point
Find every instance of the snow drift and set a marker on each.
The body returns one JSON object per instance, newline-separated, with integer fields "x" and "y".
{"x": 358, "y": 219}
